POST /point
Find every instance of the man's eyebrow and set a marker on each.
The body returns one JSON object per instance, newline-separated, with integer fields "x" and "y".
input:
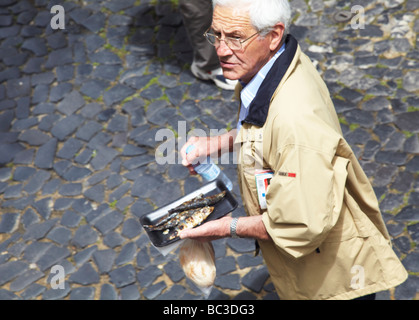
{"x": 229, "y": 32}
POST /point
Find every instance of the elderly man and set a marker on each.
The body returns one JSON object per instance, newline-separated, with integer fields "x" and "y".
{"x": 319, "y": 228}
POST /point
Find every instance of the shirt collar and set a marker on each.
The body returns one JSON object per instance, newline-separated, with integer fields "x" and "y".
{"x": 250, "y": 90}
{"x": 266, "y": 83}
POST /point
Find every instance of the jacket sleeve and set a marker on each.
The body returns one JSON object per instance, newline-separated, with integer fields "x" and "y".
{"x": 304, "y": 198}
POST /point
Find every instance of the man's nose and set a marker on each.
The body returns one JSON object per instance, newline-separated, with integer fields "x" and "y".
{"x": 223, "y": 49}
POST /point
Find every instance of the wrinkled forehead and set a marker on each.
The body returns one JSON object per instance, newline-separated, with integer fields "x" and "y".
{"x": 230, "y": 19}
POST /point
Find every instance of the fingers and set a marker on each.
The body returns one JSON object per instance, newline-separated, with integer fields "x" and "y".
{"x": 199, "y": 150}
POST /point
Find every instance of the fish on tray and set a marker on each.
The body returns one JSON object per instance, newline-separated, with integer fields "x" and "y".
{"x": 189, "y": 214}
{"x": 192, "y": 221}
{"x": 199, "y": 202}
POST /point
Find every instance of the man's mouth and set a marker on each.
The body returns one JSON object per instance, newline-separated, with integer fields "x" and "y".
{"x": 226, "y": 64}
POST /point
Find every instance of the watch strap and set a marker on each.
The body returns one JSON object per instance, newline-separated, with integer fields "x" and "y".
{"x": 233, "y": 228}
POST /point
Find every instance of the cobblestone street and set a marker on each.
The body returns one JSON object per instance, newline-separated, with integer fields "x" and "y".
{"x": 80, "y": 108}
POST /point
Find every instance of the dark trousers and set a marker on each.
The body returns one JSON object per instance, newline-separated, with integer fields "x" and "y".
{"x": 197, "y": 18}
{"x": 367, "y": 297}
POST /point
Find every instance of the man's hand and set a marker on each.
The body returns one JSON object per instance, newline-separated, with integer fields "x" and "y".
{"x": 205, "y": 146}
{"x": 247, "y": 227}
{"x": 209, "y": 231}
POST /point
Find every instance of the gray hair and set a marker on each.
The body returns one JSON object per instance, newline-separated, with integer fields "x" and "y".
{"x": 264, "y": 14}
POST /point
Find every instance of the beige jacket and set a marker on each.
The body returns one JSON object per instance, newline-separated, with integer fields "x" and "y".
{"x": 329, "y": 240}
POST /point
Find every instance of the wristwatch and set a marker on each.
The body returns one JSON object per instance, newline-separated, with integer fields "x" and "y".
{"x": 233, "y": 227}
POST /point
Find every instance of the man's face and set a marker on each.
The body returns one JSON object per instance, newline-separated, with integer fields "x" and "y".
{"x": 245, "y": 63}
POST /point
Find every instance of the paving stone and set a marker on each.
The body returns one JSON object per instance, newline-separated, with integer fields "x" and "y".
{"x": 154, "y": 290}
{"x": 16, "y": 249}
{"x": 103, "y": 157}
{"x": 255, "y": 279}
{"x": 109, "y": 222}
{"x": 95, "y": 22}
{"x": 408, "y": 213}
{"x": 87, "y": 131}
{"x": 8, "y": 152}
{"x": 18, "y": 87}
{"x": 130, "y": 292}
{"x": 139, "y": 161}
{"x": 411, "y": 262}
{"x": 413, "y": 164}
{"x": 71, "y": 103}
{"x": 126, "y": 254}
{"x": 29, "y": 217}
{"x": 147, "y": 276}
{"x": 403, "y": 244}
{"x": 241, "y": 245}
{"x": 82, "y": 293}
{"x": 70, "y": 189}
{"x": 6, "y": 120}
{"x": 152, "y": 92}
{"x": 108, "y": 292}
{"x": 170, "y": 189}
{"x": 25, "y": 279}
{"x": 410, "y": 81}
{"x": 118, "y": 124}
{"x": 53, "y": 255}
{"x": 247, "y": 260}
{"x": 95, "y": 193}
{"x": 389, "y": 157}
{"x": 76, "y": 173}
{"x": 66, "y": 126}
{"x": 59, "y": 57}
{"x": 60, "y": 235}
{"x": 408, "y": 289}
{"x": 44, "y": 207}
{"x": 104, "y": 260}
{"x": 11, "y": 270}
{"x": 70, "y": 219}
{"x": 32, "y": 291}
{"x": 176, "y": 292}
{"x": 225, "y": 265}
{"x": 408, "y": 121}
{"x": 56, "y": 294}
{"x": 116, "y": 94}
{"x": 122, "y": 276}
{"x": 70, "y": 148}
{"x": 144, "y": 186}
{"x": 84, "y": 236}
{"x": 9, "y": 222}
{"x": 143, "y": 260}
{"x": 38, "y": 231}
{"x": 94, "y": 88}
{"x": 229, "y": 281}
{"x": 131, "y": 228}
{"x": 59, "y": 91}
{"x": 7, "y": 295}
{"x": 86, "y": 275}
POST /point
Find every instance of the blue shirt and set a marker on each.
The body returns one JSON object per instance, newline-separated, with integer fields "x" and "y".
{"x": 249, "y": 92}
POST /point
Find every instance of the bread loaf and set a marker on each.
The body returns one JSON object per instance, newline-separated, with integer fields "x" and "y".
{"x": 198, "y": 262}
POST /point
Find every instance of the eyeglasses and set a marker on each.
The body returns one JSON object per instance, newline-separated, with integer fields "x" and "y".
{"x": 232, "y": 43}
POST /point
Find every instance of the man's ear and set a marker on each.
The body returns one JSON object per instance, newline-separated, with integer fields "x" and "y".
{"x": 276, "y": 36}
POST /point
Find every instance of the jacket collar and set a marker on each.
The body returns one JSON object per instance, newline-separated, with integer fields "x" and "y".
{"x": 258, "y": 108}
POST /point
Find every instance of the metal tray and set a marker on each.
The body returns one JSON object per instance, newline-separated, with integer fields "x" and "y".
{"x": 226, "y": 205}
